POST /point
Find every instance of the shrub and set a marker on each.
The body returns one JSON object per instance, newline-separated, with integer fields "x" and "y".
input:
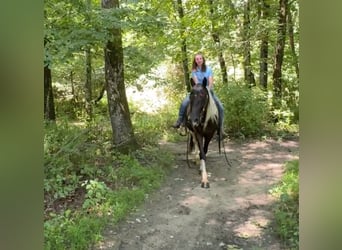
{"x": 246, "y": 110}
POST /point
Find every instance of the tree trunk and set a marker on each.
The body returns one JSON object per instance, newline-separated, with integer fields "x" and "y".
{"x": 49, "y": 104}
{"x": 223, "y": 67}
{"x": 88, "y": 87}
{"x": 292, "y": 44}
{"x": 234, "y": 67}
{"x": 249, "y": 76}
{"x": 277, "y": 74}
{"x": 217, "y": 41}
{"x": 264, "y": 15}
{"x": 123, "y": 136}
{"x": 185, "y": 61}
{"x": 74, "y": 100}
{"x": 263, "y": 62}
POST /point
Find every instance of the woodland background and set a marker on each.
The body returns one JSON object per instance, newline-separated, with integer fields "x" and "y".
{"x": 101, "y": 152}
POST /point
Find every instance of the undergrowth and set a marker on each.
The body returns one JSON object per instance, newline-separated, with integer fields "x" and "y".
{"x": 87, "y": 184}
{"x": 286, "y": 210}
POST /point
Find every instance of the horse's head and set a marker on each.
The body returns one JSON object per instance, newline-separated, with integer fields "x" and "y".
{"x": 199, "y": 98}
{"x": 202, "y": 107}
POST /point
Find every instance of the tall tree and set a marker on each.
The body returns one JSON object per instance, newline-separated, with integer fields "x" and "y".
{"x": 49, "y": 104}
{"x": 184, "y": 53}
{"x": 279, "y": 54}
{"x": 249, "y": 76}
{"x": 263, "y": 17}
{"x": 88, "y": 85}
{"x": 123, "y": 136}
{"x": 291, "y": 39}
{"x": 217, "y": 41}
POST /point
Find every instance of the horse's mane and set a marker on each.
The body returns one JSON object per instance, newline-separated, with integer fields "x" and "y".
{"x": 212, "y": 112}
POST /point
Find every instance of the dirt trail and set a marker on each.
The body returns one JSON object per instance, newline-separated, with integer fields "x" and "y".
{"x": 234, "y": 213}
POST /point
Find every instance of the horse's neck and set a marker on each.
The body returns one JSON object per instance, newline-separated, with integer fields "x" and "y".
{"x": 212, "y": 112}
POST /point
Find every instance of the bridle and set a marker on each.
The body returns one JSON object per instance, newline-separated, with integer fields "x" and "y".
{"x": 201, "y": 91}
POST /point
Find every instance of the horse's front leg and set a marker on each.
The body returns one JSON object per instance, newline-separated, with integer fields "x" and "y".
{"x": 204, "y": 174}
{"x": 203, "y": 170}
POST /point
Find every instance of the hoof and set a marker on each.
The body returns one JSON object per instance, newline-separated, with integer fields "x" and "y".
{"x": 205, "y": 185}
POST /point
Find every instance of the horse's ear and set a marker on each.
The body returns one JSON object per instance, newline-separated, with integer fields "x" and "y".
{"x": 205, "y": 82}
{"x": 192, "y": 82}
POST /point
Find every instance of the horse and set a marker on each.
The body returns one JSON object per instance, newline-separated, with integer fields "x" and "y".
{"x": 202, "y": 122}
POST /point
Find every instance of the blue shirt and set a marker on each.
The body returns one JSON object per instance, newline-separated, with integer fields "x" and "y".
{"x": 200, "y": 75}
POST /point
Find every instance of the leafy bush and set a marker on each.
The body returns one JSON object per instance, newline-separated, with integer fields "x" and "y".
{"x": 246, "y": 110}
{"x": 286, "y": 118}
{"x": 287, "y": 208}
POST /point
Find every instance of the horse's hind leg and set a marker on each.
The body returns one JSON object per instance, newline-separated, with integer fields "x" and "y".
{"x": 191, "y": 143}
{"x": 204, "y": 181}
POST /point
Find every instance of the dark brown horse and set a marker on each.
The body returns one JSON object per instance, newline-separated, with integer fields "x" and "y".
{"x": 202, "y": 122}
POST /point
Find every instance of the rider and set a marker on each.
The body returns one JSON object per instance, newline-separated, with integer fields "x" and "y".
{"x": 199, "y": 71}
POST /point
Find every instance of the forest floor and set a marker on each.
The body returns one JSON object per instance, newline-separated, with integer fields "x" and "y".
{"x": 234, "y": 213}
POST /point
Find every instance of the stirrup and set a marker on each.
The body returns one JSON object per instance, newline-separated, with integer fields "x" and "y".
{"x": 177, "y": 125}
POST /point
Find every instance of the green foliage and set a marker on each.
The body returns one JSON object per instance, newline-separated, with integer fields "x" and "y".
{"x": 246, "y": 110}
{"x": 285, "y": 118}
{"x": 95, "y": 195}
{"x": 80, "y": 160}
{"x": 291, "y": 99}
{"x": 72, "y": 26}
{"x": 132, "y": 174}
{"x": 72, "y": 230}
{"x": 150, "y": 128}
{"x": 287, "y": 208}
{"x": 62, "y": 152}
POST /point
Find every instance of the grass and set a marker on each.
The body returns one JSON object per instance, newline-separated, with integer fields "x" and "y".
{"x": 286, "y": 210}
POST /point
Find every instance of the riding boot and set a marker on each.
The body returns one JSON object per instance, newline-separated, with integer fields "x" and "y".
{"x": 177, "y": 124}
{"x": 181, "y": 114}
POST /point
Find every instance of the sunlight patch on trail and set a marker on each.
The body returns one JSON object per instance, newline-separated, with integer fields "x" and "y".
{"x": 255, "y": 225}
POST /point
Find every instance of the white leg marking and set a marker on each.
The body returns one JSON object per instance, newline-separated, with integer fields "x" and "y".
{"x": 204, "y": 173}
